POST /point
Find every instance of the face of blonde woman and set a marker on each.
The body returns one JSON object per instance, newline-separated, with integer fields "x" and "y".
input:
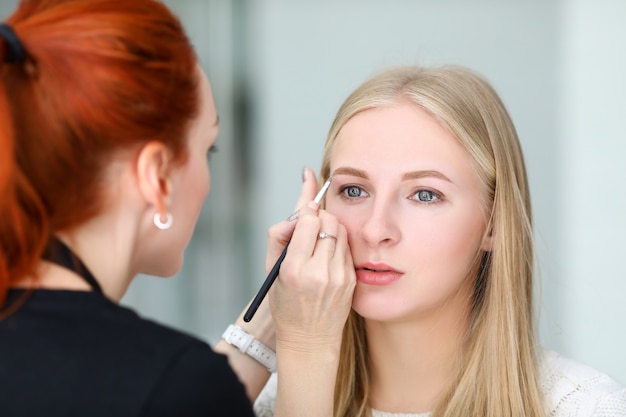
{"x": 409, "y": 197}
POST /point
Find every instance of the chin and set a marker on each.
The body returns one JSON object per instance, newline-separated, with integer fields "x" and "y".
{"x": 369, "y": 308}
{"x": 382, "y": 306}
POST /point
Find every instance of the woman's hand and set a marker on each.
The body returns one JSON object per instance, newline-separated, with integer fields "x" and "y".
{"x": 312, "y": 296}
{"x": 280, "y": 233}
{"x": 310, "y": 302}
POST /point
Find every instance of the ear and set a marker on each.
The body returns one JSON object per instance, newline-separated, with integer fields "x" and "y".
{"x": 153, "y": 175}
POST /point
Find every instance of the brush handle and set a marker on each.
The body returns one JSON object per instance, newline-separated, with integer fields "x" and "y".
{"x": 271, "y": 277}
{"x": 258, "y": 299}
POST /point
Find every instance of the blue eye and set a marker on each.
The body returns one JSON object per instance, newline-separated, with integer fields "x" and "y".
{"x": 352, "y": 191}
{"x": 426, "y": 196}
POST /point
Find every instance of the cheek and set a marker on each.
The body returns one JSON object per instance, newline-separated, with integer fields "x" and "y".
{"x": 193, "y": 187}
{"x": 200, "y": 177}
{"x": 351, "y": 218}
{"x": 458, "y": 238}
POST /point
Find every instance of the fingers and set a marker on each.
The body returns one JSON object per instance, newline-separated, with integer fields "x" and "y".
{"x": 309, "y": 188}
{"x": 280, "y": 234}
{"x": 305, "y": 242}
{"x": 312, "y": 297}
{"x": 307, "y": 193}
{"x": 342, "y": 259}
{"x": 314, "y": 263}
{"x": 331, "y": 263}
{"x": 326, "y": 239}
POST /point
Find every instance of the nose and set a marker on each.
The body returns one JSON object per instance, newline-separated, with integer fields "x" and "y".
{"x": 381, "y": 224}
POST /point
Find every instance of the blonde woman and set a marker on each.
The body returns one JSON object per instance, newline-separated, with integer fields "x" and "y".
{"x": 428, "y": 179}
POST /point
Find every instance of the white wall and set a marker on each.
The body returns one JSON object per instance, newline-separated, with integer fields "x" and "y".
{"x": 592, "y": 183}
{"x": 557, "y": 66}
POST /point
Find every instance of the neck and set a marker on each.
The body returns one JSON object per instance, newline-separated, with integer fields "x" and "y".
{"x": 105, "y": 247}
{"x": 106, "y": 255}
{"x": 413, "y": 362}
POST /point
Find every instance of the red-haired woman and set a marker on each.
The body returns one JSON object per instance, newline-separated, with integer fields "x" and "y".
{"x": 105, "y": 125}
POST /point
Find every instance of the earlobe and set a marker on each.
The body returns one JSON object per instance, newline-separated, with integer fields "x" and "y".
{"x": 153, "y": 169}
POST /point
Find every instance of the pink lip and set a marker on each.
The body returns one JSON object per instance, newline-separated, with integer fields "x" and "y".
{"x": 377, "y": 274}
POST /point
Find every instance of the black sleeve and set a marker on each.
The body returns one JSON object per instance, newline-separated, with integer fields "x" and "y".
{"x": 198, "y": 382}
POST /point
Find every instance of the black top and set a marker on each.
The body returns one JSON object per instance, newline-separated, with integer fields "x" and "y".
{"x": 76, "y": 353}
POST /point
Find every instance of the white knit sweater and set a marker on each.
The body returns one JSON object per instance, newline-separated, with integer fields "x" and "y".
{"x": 570, "y": 388}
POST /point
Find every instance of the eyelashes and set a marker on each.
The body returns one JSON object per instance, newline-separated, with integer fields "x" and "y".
{"x": 420, "y": 195}
{"x": 352, "y": 192}
{"x": 426, "y": 196}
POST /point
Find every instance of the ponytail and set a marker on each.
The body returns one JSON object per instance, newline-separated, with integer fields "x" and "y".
{"x": 69, "y": 103}
{"x": 7, "y": 162}
{"x": 23, "y": 224}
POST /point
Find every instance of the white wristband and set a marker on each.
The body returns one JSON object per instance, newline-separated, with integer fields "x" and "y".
{"x": 246, "y": 343}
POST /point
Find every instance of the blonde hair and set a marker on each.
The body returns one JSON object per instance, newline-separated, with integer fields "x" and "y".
{"x": 498, "y": 373}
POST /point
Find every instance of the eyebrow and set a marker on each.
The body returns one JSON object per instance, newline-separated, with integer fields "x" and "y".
{"x": 423, "y": 174}
{"x": 350, "y": 171}
{"x": 407, "y": 176}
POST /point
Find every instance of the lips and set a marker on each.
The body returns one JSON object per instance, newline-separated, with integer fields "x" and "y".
{"x": 377, "y": 274}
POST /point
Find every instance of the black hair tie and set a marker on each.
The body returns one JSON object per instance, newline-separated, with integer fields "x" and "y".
{"x": 15, "y": 49}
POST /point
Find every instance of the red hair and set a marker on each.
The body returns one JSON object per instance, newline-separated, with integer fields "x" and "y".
{"x": 100, "y": 76}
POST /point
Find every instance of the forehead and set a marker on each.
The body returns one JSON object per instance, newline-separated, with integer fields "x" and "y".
{"x": 205, "y": 126}
{"x": 402, "y": 137}
{"x": 207, "y": 103}
{"x": 404, "y": 125}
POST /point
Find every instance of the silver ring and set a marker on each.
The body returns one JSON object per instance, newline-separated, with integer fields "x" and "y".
{"x": 324, "y": 235}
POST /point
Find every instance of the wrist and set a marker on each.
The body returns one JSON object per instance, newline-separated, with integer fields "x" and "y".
{"x": 262, "y": 327}
{"x": 263, "y": 331}
{"x": 298, "y": 343}
{"x": 249, "y": 345}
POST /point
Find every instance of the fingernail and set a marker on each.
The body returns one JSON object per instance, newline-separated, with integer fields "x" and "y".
{"x": 313, "y": 205}
{"x": 305, "y": 173}
{"x": 293, "y": 216}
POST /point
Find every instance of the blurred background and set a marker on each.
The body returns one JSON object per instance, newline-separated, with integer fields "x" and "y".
{"x": 281, "y": 68}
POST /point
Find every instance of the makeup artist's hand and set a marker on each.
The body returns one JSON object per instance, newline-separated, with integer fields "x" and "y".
{"x": 310, "y": 302}
{"x": 280, "y": 234}
{"x": 312, "y": 296}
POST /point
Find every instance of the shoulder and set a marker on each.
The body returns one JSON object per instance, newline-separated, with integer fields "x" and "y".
{"x": 112, "y": 359}
{"x": 192, "y": 378}
{"x": 60, "y": 320}
{"x": 187, "y": 377}
{"x": 575, "y": 389}
{"x": 196, "y": 381}
{"x": 165, "y": 351}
